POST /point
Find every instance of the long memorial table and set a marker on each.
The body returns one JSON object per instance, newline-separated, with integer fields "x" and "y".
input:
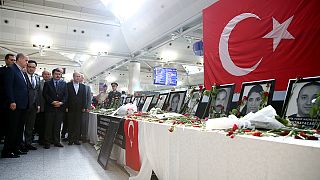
{"x": 192, "y": 154}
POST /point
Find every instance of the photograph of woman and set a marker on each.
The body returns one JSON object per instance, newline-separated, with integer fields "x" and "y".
{"x": 176, "y": 100}
{"x": 252, "y": 95}
{"x": 254, "y": 99}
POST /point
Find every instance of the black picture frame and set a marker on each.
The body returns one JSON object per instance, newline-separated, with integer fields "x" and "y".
{"x": 154, "y": 101}
{"x": 194, "y": 101}
{"x": 147, "y": 103}
{"x": 174, "y": 106}
{"x": 128, "y": 100}
{"x": 162, "y": 100}
{"x": 297, "y": 103}
{"x": 223, "y": 99}
{"x": 137, "y": 99}
{"x": 203, "y": 106}
{"x": 249, "y": 89}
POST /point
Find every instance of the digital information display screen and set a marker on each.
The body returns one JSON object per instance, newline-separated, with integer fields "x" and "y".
{"x": 165, "y": 76}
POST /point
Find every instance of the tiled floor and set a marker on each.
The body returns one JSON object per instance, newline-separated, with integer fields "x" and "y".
{"x": 67, "y": 163}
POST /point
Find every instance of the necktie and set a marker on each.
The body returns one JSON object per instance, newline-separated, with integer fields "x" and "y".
{"x": 33, "y": 84}
{"x": 56, "y": 85}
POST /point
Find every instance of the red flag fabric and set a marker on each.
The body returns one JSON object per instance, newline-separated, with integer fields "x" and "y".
{"x": 132, "y": 146}
{"x": 253, "y": 40}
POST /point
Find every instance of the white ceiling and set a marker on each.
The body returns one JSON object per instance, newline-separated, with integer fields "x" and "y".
{"x": 75, "y": 24}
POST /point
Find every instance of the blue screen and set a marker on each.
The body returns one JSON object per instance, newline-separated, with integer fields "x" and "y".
{"x": 165, "y": 76}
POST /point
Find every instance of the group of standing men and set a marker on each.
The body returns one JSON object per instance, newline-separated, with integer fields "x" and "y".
{"x": 25, "y": 100}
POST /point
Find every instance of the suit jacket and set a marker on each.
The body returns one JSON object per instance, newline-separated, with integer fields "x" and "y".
{"x": 51, "y": 93}
{"x": 33, "y": 91}
{"x": 76, "y": 102}
{"x": 3, "y": 97}
{"x": 41, "y": 98}
{"x": 88, "y": 97}
{"x": 16, "y": 88}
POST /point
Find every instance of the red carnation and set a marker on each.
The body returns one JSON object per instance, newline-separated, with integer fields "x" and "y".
{"x": 247, "y": 130}
{"x": 266, "y": 94}
{"x": 257, "y": 133}
{"x": 312, "y": 138}
{"x": 230, "y": 133}
{"x": 245, "y": 98}
{"x": 284, "y": 133}
{"x": 235, "y": 127}
{"x": 303, "y": 135}
{"x": 200, "y": 87}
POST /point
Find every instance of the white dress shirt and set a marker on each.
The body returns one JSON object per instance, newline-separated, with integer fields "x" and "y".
{"x": 76, "y": 87}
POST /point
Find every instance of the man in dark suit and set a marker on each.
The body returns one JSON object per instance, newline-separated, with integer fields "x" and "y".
{"x": 55, "y": 95}
{"x": 75, "y": 105}
{"x": 33, "y": 82}
{"x": 85, "y": 115}
{"x": 9, "y": 60}
{"x": 17, "y": 93}
{"x": 40, "y": 120}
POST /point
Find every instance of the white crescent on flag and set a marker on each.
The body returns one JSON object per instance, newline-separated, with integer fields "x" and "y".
{"x": 131, "y": 124}
{"x": 224, "y": 55}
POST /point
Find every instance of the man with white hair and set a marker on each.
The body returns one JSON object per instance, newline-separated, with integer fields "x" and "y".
{"x": 17, "y": 93}
{"x": 75, "y": 107}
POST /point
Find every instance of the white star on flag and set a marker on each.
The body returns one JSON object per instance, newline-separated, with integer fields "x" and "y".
{"x": 279, "y": 32}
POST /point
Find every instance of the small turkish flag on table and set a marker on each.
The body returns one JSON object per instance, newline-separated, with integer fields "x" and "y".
{"x": 252, "y": 40}
{"x": 132, "y": 146}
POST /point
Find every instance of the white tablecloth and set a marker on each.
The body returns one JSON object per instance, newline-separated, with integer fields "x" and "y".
{"x": 189, "y": 153}
{"x": 92, "y": 128}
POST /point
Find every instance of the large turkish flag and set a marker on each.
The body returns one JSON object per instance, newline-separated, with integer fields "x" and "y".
{"x": 132, "y": 146}
{"x": 252, "y": 40}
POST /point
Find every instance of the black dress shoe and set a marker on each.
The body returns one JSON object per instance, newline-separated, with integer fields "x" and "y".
{"x": 70, "y": 143}
{"x": 19, "y": 152}
{"x": 47, "y": 146}
{"x": 30, "y": 147}
{"x": 23, "y": 149}
{"x": 58, "y": 145}
{"x": 41, "y": 143}
{"x": 77, "y": 143}
{"x": 9, "y": 155}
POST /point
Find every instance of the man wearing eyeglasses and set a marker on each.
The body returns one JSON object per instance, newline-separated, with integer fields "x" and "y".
{"x": 33, "y": 82}
{"x": 9, "y": 60}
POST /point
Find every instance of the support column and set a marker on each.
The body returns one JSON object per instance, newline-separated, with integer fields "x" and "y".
{"x": 134, "y": 77}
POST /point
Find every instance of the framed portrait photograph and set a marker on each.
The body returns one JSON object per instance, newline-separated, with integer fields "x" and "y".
{"x": 161, "y": 100}
{"x": 147, "y": 103}
{"x": 137, "y": 100}
{"x": 299, "y": 100}
{"x": 154, "y": 101}
{"x": 203, "y": 107}
{"x": 221, "y": 103}
{"x": 128, "y": 100}
{"x": 255, "y": 95}
{"x": 176, "y": 100}
{"x": 194, "y": 102}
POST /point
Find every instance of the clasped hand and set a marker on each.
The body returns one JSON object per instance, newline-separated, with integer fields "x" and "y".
{"x": 56, "y": 104}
